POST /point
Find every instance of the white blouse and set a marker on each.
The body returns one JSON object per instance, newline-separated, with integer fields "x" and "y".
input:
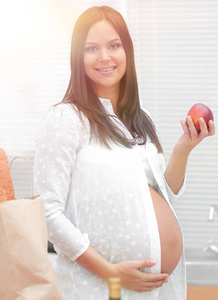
{"x": 100, "y": 197}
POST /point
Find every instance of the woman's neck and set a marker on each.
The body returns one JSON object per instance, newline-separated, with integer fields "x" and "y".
{"x": 112, "y": 94}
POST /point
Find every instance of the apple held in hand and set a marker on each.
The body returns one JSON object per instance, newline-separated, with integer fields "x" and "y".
{"x": 200, "y": 110}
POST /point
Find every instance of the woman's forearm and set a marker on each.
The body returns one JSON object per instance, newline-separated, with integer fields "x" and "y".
{"x": 96, "y": 263}
{"x": 175, "y": 171}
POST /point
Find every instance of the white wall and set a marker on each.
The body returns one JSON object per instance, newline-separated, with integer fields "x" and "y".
{"x": 176, "y": 46}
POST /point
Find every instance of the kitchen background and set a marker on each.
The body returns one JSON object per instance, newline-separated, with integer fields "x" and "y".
{"x": 176, "y": 51}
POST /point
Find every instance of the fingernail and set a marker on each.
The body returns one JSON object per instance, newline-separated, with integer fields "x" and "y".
{"x": 153, "y": 261}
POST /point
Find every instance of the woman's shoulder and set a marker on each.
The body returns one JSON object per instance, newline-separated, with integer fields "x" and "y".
{"x": 62, "y": 121}
{"x": 64, "y": 111}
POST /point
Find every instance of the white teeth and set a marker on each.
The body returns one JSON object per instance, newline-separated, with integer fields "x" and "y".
{"x": 106, "y": 70}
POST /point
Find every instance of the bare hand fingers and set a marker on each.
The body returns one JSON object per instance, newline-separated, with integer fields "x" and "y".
{"x": 211, "y": 127}
{"x": 149, "y": 286}
{"x": 191, "y": 126}
{"x": 203, "y": 127}
{"x": 133, "y": 278}
{"x": 184, "y": 126}
{"x": 152, "y": 277}
{"x": 206, "y": 129}
{"x": 155, "y": 280}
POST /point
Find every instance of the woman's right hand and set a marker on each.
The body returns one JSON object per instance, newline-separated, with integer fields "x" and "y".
{"x": 132, "y": 278}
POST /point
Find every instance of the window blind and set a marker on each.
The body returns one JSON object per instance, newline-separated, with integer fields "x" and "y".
{"x": 176, "y": 57}
{"x": 176, "y": 50}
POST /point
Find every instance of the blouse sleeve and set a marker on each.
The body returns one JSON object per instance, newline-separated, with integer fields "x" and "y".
{"x": 55, "y": 157}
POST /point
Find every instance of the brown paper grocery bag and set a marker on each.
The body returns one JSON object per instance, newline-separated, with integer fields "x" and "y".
{"x": 25, "y": 270}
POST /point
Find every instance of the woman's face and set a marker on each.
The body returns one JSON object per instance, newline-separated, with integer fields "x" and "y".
{"x": 104, "y": 58}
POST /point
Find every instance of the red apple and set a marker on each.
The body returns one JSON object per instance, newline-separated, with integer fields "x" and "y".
{"x": 200, "y": 110}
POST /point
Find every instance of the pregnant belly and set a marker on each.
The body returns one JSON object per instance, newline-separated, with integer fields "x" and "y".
{"x": 169, "y": 231}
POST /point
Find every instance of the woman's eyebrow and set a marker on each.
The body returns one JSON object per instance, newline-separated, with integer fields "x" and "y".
{"x": 91, "y": 43}
{"x": 110, "y": 41}
{"x": 115, "y": 40}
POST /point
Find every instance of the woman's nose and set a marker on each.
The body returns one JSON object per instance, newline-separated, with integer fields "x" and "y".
{"x": 104, "y": 55}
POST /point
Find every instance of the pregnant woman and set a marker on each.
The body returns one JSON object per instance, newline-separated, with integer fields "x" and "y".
{"x": 99, "y": 167}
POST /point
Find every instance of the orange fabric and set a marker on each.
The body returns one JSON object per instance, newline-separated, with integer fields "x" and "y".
{"x": 6, "y": 183}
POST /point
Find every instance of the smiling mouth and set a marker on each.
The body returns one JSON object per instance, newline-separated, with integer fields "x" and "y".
{"x": 105, "y": 70}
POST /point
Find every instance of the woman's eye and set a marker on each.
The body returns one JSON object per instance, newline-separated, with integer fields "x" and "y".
{"x": 114, "y": 46}
{"x": 91, "y": 49}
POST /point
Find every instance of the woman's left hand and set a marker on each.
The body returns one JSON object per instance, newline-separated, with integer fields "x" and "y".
{"x": 191, "y": 138}
{"x": 175, "y": 171}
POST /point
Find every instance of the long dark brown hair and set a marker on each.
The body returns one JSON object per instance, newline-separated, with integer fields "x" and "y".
{"x": 80, "y": 90}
